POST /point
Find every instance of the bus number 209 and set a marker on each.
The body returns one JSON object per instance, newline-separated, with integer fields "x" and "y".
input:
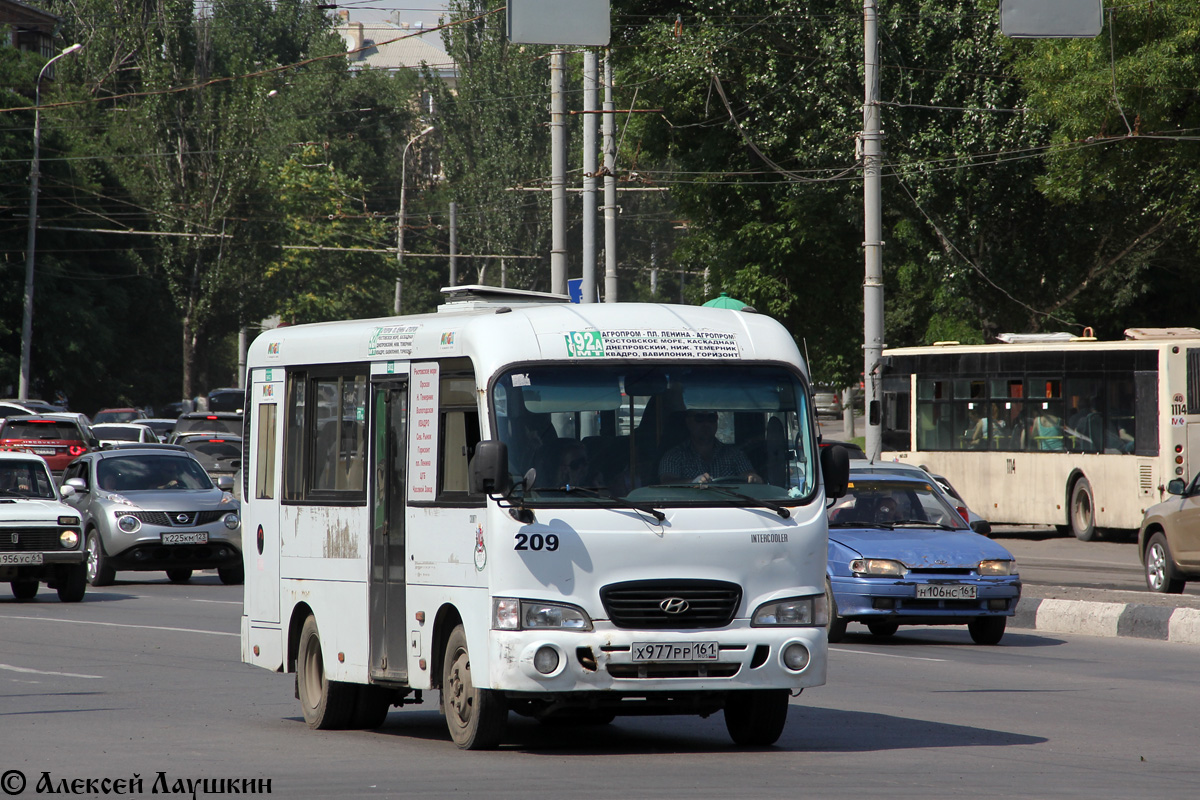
{"x": 536, "y": 541}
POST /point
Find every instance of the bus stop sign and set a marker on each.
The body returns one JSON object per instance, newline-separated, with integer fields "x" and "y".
{"x": 1051, "y": 19}
{"x": 559, "y": 22}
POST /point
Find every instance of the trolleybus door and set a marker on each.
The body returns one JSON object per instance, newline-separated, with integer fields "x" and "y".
{"x": 389, "y": 458}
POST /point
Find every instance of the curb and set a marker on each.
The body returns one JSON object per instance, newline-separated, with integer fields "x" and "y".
{"x": 1095, "y": 618}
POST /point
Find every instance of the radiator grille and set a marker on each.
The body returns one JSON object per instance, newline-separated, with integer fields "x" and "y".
{"x": 28, "y": 540}
{"x": 640, "y": 605}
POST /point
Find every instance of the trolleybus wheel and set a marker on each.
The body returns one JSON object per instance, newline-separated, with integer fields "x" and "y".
{"x": 327, "y": 705}
{"x": 476, "y": 717}
{"x": 1083, "y": 511}
{"x": 755, "y": 717}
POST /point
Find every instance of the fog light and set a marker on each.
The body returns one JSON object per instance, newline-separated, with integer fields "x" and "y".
{"x": 883, "y": 602}
{"x": 796, "y": 656}
{"x": 998, "y": 605}
{"x": 545, "y": 660}
{"x": 129, "y": 524}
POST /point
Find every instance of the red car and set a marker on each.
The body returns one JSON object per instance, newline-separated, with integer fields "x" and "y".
{"x": 58, "y": 438}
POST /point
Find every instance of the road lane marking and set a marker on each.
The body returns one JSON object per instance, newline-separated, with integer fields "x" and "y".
{"x": 123, "y": 625}
{"x": 221, "y": 602}
{"x": 11, "y": 668}
{"x": 885, "y": 655}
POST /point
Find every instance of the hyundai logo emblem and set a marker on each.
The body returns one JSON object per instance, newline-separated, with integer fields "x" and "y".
{"x": 674, "y": 605}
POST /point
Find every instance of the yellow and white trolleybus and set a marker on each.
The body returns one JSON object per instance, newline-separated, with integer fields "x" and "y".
{"x": 536, "y": 507}
{"x": 1053, "y": 429}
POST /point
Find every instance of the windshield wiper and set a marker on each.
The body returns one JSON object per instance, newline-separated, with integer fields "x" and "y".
{"x": 778, "y": 508}
{"x": 588, "y": 491}
{"x": 885, "y": 526}
{"x": 924, "y": 523}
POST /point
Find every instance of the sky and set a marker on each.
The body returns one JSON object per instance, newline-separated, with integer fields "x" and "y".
{"x": 426, "y": 11}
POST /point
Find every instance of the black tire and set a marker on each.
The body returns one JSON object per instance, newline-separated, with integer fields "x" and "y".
{"x": 756, "y": 717}
{"x": 883, "y": 627}
{"x": 24, "y": 589}
{"x": 1081, "y": 512}
{"x": 1160, "y": 571}
{"x": 837, "y": 625}
{"x": 179, "y": 575}
{"x": 475, "y": 717}
{"x": 99, "y": 573}
{"x": 327, "y": 705}
{"x": 72, "y": 584}
{"x": 371, "y": 706}
{"x": 232, "y": 576}
{"x": 987, "y": 630}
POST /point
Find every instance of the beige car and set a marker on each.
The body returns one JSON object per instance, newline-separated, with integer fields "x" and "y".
{"x": 1169, "y": 538}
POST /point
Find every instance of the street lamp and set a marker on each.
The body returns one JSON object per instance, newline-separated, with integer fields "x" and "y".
{"x": 400, "y": 227}
{"x": 31, "y": 240}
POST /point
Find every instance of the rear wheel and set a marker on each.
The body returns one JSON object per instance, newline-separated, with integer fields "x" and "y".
{"x": 1083, "y": 511}
{"x": 327, "y": 705}
{"x": 1160, "y": 569}
{"x": 883, "y": 628}
{"x": 476, "y": 717}
{"x": 72, "y": 584}
{"x": 987, "y": 630}
{"x": 371, "y": 706}
{"x": 232, "y": 576}
{"x": 25, "y": 588}
{"x": 837, "y": 625}
{"x": 756, "y": 717}
{"x": 179, "y": 575}
{"x": 99, "y": 573}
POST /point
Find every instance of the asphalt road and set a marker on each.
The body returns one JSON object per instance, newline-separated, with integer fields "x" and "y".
{"x": 144, "y": 677}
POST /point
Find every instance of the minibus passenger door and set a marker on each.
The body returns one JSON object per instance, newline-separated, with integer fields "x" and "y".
{"x": 389, "y": 457}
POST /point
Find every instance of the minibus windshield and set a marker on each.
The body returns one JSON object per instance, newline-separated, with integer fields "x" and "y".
{"x": 664, "y": 434}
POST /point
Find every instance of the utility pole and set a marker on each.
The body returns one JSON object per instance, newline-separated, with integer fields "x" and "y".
{"x": 591, "y": 71}
{"x": 454, "y": 244}
{"x": 872, "y": 158}
{"x": 403, "y": 220}
{"x": 610, "y": 184}
{"x": 558, "y": 175}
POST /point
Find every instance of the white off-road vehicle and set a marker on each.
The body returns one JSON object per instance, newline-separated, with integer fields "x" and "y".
{"x": 40, "y": 537}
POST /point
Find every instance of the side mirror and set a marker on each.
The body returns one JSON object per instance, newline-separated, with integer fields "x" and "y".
{"x": 225, "y": 482}
{"x": 1176, "y": 486}
{"x": 489, "y": 468}
{"x": 982, "y": 527}
{"x": 77, "y": 484}
{"x": 835, "y": 469}
{"x": 66, "y": 491}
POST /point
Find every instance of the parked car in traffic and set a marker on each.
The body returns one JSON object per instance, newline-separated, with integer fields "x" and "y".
{"x": 899, "y": 554}
{"x": 118, "y": 415}
{"x": 153, "y": 507}
{"x": 229, "y": 399}
{"x": 208, "y": 422}
{"x": 58, "y": 438}
{"x": 219, "y": 454}
{"x": 35, "y": 406}
{"x": 827, "y": 401}
{"x": 110, "y": 433}
{"x": 14, "y": 409}
{"x": 1169, "y": 538}
{"x": 41, "y": 540}
{"x": 977, "y": 522}
{"x": 162, "y": 427}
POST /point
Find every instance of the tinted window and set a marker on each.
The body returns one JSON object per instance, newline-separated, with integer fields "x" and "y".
{"x": 40, "y": 429}
{"x": 142, "y": 473}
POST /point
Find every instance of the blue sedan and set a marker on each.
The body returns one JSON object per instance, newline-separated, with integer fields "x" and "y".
{"x": 900, "y": 555}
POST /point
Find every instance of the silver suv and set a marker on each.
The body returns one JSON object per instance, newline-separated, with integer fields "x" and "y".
{"x": 40, "y": 537}
{"x": 153, "y": 507}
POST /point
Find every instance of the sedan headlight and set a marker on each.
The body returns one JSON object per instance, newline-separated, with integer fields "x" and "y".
{"x": 514, "y": 614}
{"x": 232, "y": 521}
{"x": 796, "y": 612}
{"x": 129, "y": 524}
{"x": 878, "y": 568}
{"x": 998, "y": 567}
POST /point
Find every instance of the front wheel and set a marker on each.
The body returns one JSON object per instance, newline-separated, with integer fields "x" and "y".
{"x": 179, "y": 575}
{"x": 327, "y": 705}
{"x": 837, "y": 625}
{"x": 1160, "y": 569}
{"x": 232, "y": 576}
{"x": 99, "y": 573}
{"x": 1083, "y": 511}
{"x": 987, "y": 630}
{"x": 476, "y": 717}
{"x": 72, "y": 584}
{"x": 25, "y": 588}
{"x": 756, "y": 717}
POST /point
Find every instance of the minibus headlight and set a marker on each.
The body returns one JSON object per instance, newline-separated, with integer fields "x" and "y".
{"x": 513, "y": 614}
{"x": 878, "y": 567}
{"x": 998, "y": 566}
{"x": 797, "y": 612}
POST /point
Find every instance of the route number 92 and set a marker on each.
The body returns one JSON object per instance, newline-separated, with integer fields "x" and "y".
{"x": 535, "y": 541}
